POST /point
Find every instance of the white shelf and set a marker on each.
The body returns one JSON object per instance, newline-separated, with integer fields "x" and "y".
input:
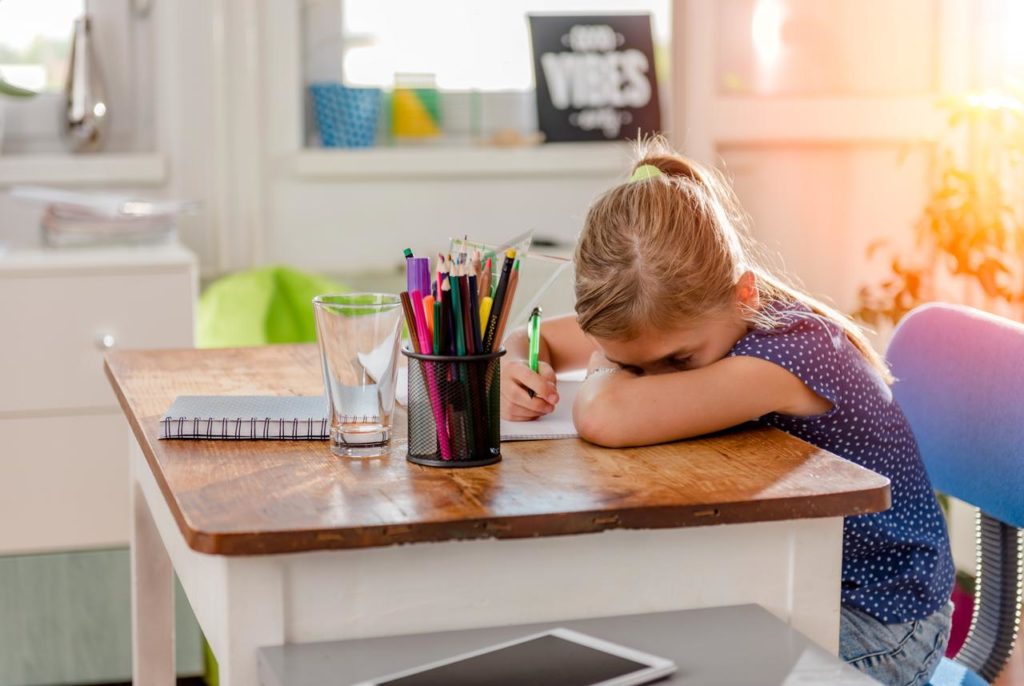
{"x": 553, "y": 159}
{"x": 41, "y": 260}
{"x": 101, "y": 169}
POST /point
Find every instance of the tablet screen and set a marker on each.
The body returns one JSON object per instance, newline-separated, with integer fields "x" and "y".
{"x": 543, "y": 660}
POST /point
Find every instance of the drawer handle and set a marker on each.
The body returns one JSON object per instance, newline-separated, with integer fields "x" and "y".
{"x": 105, "y": 341}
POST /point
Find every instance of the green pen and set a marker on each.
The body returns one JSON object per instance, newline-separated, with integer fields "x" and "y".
{"x": 533, "y": 329}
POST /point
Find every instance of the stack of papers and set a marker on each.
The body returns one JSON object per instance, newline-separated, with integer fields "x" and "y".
{"x": 76, "y": 218}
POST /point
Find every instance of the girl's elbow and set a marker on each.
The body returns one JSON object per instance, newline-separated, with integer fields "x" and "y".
{"x": 594, "y": 425}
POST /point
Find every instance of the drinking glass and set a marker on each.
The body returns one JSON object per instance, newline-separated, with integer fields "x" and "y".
{"x": 359, "y": 336}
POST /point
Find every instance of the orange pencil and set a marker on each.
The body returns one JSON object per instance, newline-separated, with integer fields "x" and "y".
{"x": 484, "y": 284}
{"x": 428, "y": 310}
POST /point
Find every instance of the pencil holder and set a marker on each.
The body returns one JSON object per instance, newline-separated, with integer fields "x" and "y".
{"x": 454, "y": 409}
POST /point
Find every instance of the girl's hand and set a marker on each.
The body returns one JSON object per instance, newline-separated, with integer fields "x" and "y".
{"x": 516, "y": 379}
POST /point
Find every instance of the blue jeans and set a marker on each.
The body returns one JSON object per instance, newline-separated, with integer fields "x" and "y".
{"x": 894, "y": 654}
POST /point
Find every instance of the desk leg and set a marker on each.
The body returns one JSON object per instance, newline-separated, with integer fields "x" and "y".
{"x": 254, "y": 612}
{"x": 152, "y": 599}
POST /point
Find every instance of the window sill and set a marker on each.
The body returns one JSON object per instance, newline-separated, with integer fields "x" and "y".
{"x": 550, "y": 160}
{"x": 103, "y": 169}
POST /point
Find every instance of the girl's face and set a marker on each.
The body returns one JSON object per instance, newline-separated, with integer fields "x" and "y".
{"x": 688, "y": 346}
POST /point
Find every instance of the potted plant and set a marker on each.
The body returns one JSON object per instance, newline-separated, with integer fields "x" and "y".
{"x": 968, "y": 243}
{"x": 969, "y": 239}
{"x": 7, "y": 89}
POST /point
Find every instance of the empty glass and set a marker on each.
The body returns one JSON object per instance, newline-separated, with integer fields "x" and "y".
{"x": 359, "y": 336}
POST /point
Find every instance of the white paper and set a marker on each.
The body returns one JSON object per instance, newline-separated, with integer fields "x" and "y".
{"x": 558, "y": 424}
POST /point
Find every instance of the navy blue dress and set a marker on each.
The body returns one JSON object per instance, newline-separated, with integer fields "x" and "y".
{"x": 896, "y": 564}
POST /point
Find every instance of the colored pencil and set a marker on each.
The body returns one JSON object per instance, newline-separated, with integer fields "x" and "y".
{"x": 432, "y": 389}
{"x": 410, "y": 321}
{"x": 436, "y": 286}
{"x": 485, "y": 311}
{"x": 499, "y": 301}
{"x": 485, "y": 281}
{"x": 475, "y": 264}
{"x": 463, "y": 419}
{"x": 437, "y": 327}
{"x": 467, "y": 315}
{"x": 447, "y": 342}
{"x": 428, "y": 310}
{"x": 513, "y": 284}
{"x": 474, "y": 310}
{"x": 458, "y": 333}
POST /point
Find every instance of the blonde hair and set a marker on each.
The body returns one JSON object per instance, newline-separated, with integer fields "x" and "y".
{"x": 671, "y": 248}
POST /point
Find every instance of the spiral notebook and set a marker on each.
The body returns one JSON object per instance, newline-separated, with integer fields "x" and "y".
{"x": 247, "y": 417}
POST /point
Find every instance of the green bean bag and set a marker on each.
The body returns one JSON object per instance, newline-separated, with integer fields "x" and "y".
{"x": 260, "y": 307}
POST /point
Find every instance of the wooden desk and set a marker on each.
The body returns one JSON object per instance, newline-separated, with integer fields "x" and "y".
{"x": 280, "y": 542}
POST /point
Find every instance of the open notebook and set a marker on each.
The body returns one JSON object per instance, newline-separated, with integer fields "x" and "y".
{"x": 558, "y": 424}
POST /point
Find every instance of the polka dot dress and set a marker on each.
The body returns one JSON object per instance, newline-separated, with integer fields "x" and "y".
{"x": 896, "y": 564}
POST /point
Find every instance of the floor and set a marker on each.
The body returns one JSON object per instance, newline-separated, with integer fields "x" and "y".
{"x": 1013, "y": 675}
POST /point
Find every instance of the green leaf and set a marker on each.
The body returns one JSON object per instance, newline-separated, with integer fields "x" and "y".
{"x": 14, "y": 91}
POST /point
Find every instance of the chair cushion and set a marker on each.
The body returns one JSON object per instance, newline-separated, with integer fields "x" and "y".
{"x": 952, "y": 673}
{"x": 260, "y": 307}
{"x": 959, "y": 379}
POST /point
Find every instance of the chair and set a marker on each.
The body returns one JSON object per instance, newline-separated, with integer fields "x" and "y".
{"x": 260, "y": 307}
{"x": 960, "y": 382}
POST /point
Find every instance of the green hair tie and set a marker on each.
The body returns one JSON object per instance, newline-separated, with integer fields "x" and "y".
{"x": 644, "y": 172}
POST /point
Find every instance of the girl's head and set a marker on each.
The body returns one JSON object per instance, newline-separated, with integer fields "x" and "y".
{"x": 665, "y": 275}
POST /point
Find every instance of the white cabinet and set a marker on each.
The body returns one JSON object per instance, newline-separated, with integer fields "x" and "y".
{"x": 64, "y": 454}
{"x": 64, "y": 445}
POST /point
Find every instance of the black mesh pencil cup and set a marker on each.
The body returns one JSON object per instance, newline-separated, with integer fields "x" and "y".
{"x": 454, "y": 409}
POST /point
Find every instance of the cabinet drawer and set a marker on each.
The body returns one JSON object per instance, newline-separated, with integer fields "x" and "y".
{"x": 63, "y": 482}
{"x": 52, "y": 329}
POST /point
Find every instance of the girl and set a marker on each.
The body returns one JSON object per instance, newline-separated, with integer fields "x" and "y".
{"x": 683, "y": 333}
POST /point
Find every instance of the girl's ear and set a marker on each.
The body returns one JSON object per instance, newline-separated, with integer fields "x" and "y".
{"x": 746, "y": 291}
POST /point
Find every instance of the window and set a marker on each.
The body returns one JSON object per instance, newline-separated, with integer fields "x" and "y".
{"x": 35, "y": 43}
{"x": 35, "y": 37}
{"x": 466, "y": 44}
{"x": 476, "y": 53}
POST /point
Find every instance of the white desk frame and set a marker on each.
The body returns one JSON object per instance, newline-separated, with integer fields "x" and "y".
{"x": 792, "y": 568}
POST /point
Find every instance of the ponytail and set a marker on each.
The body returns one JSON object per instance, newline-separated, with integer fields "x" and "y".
{"x": 671, "y": 246}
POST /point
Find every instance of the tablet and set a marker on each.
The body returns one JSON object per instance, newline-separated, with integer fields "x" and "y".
{"x": 559, "y": 656}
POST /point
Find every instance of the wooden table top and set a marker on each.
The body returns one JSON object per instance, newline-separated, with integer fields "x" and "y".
{"x": 263, "y": 497}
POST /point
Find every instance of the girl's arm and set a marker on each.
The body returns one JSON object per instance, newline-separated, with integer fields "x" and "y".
{"x": 619, "y": 409}
{"x": 563, "y": 346}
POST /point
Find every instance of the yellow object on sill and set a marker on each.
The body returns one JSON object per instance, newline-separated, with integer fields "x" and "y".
{"x": 415, "y": 113}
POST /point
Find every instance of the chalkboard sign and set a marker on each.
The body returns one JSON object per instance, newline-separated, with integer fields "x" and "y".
{"x": 595, "y": 77}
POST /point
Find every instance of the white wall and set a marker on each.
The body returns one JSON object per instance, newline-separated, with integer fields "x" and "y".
{"x": 828, "y": 145}
{"x": 820, "y": 207}
{"x": 229, "y": 122}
